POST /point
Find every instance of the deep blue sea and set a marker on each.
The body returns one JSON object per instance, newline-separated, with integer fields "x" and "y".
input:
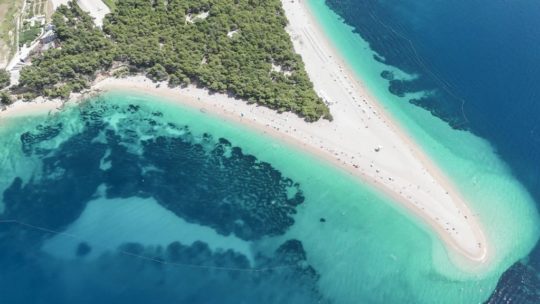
{"x": 129, "y": 198}
{"x": 481, "y": 61}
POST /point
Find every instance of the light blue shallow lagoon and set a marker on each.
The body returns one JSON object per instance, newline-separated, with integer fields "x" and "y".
{"x": 130, "y": 198}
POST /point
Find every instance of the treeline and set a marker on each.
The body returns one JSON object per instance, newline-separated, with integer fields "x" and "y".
{"x": 4, "y": 79}
{"x": 84, "y": 50}
{"x": 230, "y": 46}
{"x": 5, "y": 98}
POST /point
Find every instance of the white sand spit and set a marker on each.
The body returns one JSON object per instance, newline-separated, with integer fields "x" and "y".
{"x": 362, "y": 138}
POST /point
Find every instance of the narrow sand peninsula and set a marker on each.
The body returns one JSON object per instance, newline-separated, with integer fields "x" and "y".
{"x": 361, "y": 126}
{"x": 362, "y": 138}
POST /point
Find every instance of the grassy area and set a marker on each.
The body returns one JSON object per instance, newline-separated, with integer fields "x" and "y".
{"x": 30, "y": 30}
{"x": 28, "y": 35}
{"x": 9, "y": 9}
{"x": 35, "y": 8}
{"x": 43, "y": 7}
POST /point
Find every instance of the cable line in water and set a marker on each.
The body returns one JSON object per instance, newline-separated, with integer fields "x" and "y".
{"x": 150, "y": 259}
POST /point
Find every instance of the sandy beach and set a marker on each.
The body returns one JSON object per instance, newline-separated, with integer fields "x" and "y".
{"x": 362, "y": 138}
{"x": 361, "y": 125}
{"x": 39, "y": 106}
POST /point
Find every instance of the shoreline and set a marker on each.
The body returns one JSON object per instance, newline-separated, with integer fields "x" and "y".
{"x": 363, "y": 139}
{"x": 38, "y": 106}
{"x": 295, "y": 7}
{"x": 263, "y": 120}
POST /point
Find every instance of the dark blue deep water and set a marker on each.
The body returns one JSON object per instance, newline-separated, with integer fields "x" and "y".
{"x": 482, "y": 60}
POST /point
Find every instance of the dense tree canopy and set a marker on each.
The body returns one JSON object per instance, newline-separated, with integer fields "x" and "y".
{"x": 4, "y": 79}
{"x": 83, "y": 51}
{"x": 233, "y": 46}
{"x": 5, "y": 98}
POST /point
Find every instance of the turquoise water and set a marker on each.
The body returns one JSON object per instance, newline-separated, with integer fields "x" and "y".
{"x": 482, "y": 173}
{"x": 129, "y": 198}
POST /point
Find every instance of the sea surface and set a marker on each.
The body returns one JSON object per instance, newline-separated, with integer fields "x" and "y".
{"x": 131, "y": 198}
{"x": 471, "y": 64}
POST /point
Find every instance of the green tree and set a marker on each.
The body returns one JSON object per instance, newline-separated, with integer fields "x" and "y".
{"x": 157, "y": 73}
{"x": 4, "y": 79}
{"x": 84, "y": 51}
{"x": 5, "y": 98}
{"x": 182, "y": 41}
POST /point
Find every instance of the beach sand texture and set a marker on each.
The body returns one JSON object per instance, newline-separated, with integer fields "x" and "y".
{"x": 363, "y": 139}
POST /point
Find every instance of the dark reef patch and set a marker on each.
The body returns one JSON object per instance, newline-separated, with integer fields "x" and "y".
{"x": 136, "y": 273}
{"x": 199, "y": 178}
{"x": 42, "y": 133}
{"x": 519, "y": 284}
{"x": 83, "y": 249}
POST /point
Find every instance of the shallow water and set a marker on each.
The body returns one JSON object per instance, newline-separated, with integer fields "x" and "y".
{"x": 459, "y": 76}
{"x": 129, "y": 198}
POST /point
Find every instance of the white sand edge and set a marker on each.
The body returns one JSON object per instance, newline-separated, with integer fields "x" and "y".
{"x": 435, "y": 198}
{"x": 400, "y": 169}
{"x": 39, "y": 106}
